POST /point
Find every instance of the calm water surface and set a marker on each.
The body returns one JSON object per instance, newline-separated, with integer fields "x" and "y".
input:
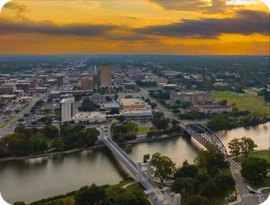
{"x": 40, "y": 178}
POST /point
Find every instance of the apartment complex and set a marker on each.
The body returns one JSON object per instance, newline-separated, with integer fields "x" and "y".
{"x": 193, "y": 97}
{"x": 106, "y": 75}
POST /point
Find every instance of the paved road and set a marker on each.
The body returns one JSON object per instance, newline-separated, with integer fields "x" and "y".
{"x": 246, "y": 197}
{"x": 10, "y": 127}
{"x": 159, "y": 107}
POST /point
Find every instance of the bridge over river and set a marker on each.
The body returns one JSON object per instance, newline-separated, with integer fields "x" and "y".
{"x": 142, "y": 171}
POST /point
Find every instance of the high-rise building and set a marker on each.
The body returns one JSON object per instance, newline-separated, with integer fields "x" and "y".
{"x": 87, "y": 83}
{"x": 60, "y": 81}
{"x": 8, "y": 88}
{"x": 91, "y": 70}
{"x": 66, "y": 109}
{"x": 106, "y": 75}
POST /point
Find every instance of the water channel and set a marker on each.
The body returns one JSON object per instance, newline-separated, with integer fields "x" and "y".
{"x": 41, "y": 178}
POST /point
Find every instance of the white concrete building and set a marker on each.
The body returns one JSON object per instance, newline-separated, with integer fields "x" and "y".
{"x": 91, "y": 117}
{"x": 137, "y": 114}
{"x": 66, "y": 109}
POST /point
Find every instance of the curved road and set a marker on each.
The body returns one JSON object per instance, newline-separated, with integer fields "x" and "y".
{"x": 246, "y": 198}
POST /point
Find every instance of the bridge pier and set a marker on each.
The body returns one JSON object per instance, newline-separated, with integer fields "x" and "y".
{"x": 148, "y": 171}
{"x": 177, "y": 199}
{"x": 139, "y": 172}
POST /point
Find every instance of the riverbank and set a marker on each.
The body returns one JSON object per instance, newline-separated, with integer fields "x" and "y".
{"x": 128, "y": 185}
{"x": 51, "y": 154}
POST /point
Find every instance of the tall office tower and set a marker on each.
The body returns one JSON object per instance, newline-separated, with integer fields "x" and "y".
{"x": 59, "y": 81}
{"x": 91, "y": 70}
{"x": 87, "y": 83}
{"x": 106, "y": 75}
{"x": 66, "y": 109}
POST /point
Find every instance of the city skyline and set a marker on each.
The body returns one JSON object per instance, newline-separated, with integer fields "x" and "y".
{"x": 135, "y": 27}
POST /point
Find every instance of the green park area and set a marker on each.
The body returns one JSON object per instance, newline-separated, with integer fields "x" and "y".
{"x": 128, "y": 185}
{"x": 262, "y": 154}
{"x": 143, "y": 130}
{"x": 243, "y": 101}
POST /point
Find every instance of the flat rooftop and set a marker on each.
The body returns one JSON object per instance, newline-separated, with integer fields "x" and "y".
{"x": 136, "y": 112}
{"x": 131, "y": 101}
{"x": 64, "y": 100}
{"x": 90, "y": 115}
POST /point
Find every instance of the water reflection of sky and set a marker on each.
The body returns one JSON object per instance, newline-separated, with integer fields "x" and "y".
{"x": 260, "y": 134}
{"x": 40, "y": 178}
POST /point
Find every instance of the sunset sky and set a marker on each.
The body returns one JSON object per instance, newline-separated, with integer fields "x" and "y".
{"x": 184, "y": 27}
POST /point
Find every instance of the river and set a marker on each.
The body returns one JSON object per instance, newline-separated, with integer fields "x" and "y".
{"x": 35, "y": 179}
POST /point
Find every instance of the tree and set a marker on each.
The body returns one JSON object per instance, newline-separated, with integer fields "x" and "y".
{"x": 235, "y": 146}
{"x": 162, "y": 124}
{"x": 115, "y": 97}
{"x": 174, "y": 122}
{"x": 131, "y": 127}
{"x": 248, "y": 145}
{"x": 89, "y": 195}
{"x": 187, "y": 183}
{"x": 163, "y": 166}
{"x": 58, "y": 144}
{"x": 187, "y": 171}
{"x": 78, "y": 127}
{"x": 121, "y": 118}
{"x": 209, "y": 189}
{"x": 195, "y": 200}
{"x": 114, "y": 111}
{"x": 254, "y": 169}
{"x": 88, "y": 106}
{"x": 50, "y": 131}
{"x": 108, "y": 99}
{"x": 211, "y": 160}
{"x": 224, "y": 182}
{"x": 77, "y": 97}
{"x": 128, "y": 96}
{"x": 153, "y": 105}
{"x": 223, "y": 102}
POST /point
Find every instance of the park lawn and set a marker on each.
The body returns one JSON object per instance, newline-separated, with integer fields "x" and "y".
{"x": 143, "y": 130}
{"x": 264, "y": 154}
{"x": 132, "y": 188}
{"x": 129, "y": 189}
{"x": 48, "y": 140}
{"x": 120, "y": 184}
{"x": 243, "y": 101}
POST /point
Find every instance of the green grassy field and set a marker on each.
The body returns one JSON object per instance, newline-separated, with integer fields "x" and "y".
{"x": 143, "y": 130}
{"x": 264, "y": 154}
{"x": 243, "y": 101}
{"x": 130, "y": 189}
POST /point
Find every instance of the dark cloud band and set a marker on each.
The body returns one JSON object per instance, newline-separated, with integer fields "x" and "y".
{"x": 245, "y": 22}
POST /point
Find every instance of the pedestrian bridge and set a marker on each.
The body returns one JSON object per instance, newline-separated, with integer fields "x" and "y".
{"x": 204, "y": 135}
{"x": 141, "y": 173}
